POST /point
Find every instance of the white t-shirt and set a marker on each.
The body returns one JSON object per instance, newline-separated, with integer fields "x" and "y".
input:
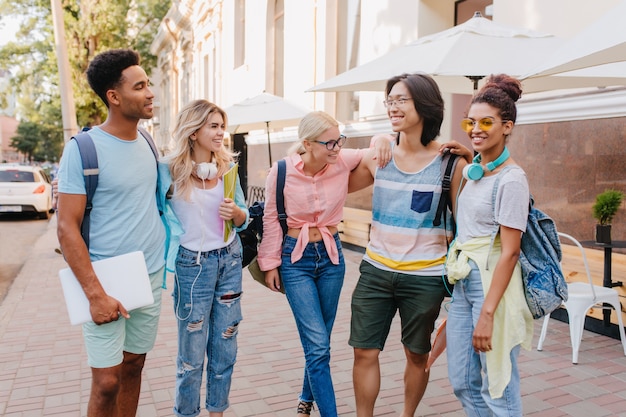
{"x": 475, "y": 211}
{"x": 204, "y": 228}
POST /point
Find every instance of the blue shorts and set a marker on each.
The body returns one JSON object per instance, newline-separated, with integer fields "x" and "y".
{"x": 106, "y": 343}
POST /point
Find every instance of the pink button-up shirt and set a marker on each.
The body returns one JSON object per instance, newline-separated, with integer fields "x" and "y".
{"x": 315, "y": 201}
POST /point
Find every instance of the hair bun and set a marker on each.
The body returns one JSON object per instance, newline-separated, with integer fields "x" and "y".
{"x": 511, "y": 86}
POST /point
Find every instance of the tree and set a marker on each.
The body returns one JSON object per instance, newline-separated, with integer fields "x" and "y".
{"x": 91, "y": 26}
{"x": 27, "y": 139}
{"x": 41, "y": 139}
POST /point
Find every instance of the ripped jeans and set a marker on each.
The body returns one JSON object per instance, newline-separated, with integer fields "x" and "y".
{"x": 207, "y": 305}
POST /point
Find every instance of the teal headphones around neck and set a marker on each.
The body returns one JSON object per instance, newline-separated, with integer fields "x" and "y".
{"x": 476, "y": 171}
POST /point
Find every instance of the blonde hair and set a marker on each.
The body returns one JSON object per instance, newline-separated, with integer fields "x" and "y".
{"x": 311, "y": 127}
{"x": 189, "y": 120}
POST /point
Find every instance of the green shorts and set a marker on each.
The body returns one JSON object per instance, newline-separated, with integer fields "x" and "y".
{"x": 106, "y": 343}
{"x": 379, "y": 294}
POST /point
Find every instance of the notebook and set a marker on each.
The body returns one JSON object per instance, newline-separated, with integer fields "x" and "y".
{"x": 123, "y": 277}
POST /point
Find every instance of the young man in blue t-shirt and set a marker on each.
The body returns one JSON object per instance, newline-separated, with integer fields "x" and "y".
{"x": 124, "y": 219}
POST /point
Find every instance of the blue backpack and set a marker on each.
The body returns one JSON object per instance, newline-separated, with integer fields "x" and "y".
{"x": 540, "y": 259}
{"x": 89, "y": 159}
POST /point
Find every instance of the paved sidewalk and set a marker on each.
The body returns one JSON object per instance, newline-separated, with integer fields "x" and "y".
{"x": 43, "y": 370}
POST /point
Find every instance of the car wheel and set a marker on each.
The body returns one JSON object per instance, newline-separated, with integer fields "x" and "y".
{"x": 43, "y": 215}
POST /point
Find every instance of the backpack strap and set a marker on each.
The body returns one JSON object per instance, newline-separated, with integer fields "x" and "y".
{"x": 445, "y": 201}
{"x": 150, "y": 141}
{"x": 89, "y": 159}
{"x": 494, "y": 194}
{"x": 280, "y": 197}
{"x": 449, "y": 162}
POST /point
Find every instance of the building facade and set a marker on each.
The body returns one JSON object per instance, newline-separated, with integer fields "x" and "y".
{"x": 568, "y": 141}
{"x": 8, "y": 123}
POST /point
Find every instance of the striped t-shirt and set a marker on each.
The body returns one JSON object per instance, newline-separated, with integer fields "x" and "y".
{"x": 402, "y": 237}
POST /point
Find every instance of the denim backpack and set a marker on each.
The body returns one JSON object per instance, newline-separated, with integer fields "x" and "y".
{"x": 540, "y": 259}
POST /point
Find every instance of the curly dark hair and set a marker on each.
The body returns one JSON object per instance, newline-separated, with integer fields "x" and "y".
{"x": 500, "y": 91}
{"x": 105, "y": 70}
{"x": 426, "y": 99}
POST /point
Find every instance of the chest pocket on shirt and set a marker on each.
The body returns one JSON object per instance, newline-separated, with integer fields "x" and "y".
{"x": 421, "y": 201}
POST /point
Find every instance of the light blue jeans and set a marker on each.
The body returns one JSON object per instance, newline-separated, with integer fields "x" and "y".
{"x": 207, "y": 305}
{"x": 467, "y": 370}
{"x": 313, "y": 286}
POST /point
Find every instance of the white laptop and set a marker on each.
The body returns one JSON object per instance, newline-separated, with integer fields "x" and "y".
{"x": 123, "y": 277}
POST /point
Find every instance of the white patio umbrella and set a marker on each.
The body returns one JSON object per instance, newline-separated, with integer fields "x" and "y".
{"x": 258, "y": 112}
{"x": 606, "y": 75}
{"x": 602, "y": 42}
{"x": 458, "y": 58}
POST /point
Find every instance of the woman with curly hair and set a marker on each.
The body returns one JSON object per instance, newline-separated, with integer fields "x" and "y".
{"x": 489, "y": 319}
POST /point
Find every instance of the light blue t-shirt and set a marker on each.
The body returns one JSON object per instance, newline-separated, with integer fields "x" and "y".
{"x": 124, "y": 217}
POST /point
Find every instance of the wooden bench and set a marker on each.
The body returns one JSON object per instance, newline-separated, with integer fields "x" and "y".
{"x": 355, "y": 226}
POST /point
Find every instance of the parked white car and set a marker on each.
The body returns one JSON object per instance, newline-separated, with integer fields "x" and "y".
{"x": 25, "y": 189}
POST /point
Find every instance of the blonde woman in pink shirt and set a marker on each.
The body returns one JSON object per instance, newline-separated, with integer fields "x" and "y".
{"x": 309, "y": 257}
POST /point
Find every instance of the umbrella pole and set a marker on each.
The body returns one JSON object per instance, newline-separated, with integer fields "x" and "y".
{"x": 269, "y": 146}
{"x": 475, "y": 79}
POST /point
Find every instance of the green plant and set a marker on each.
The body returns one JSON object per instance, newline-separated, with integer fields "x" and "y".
{"x": 606, "y": 206}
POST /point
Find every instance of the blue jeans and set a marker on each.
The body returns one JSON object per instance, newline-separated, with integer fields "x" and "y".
{"x": 467, "y": 370}
{"x": 313, "y": 286}
{"x": 207, "y": 305}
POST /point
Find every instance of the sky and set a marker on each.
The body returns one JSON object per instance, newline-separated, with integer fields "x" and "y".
{"x": 8, "y": 27}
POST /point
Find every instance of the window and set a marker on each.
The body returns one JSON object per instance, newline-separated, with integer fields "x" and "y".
{"x": 464, "y": 9}
{"x": 15, "y": 175}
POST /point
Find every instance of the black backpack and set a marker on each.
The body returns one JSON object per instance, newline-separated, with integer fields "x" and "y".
{"x": 448, "y": 161}
{"x": 251, "y": 236}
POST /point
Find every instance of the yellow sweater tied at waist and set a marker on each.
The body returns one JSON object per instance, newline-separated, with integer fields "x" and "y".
{"x": 512, "y": 321}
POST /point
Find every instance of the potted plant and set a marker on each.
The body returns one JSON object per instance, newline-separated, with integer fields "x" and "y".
{"x": 605, "y": 208}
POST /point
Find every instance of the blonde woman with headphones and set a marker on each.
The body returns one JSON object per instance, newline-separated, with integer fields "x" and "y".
{"x": 205, "y": 257}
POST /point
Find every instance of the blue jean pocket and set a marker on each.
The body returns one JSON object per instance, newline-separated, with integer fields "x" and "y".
{"x": 421, "y": 201}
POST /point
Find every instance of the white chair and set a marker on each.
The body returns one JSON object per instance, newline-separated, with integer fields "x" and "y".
{"x": 581, "y": 297}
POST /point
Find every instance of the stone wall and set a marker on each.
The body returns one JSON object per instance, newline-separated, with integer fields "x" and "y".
{"x": 568, "y": 164}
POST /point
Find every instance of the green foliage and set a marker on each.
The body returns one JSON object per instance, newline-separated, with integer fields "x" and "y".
{"x": 94, "y": 26}
{"x": 606, "y": 206}
{"x": 91, "y": 27}
{"x": 39, "y": 141}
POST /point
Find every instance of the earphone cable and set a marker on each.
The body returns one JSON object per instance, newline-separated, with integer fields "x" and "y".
{"x": 176, "y": 310}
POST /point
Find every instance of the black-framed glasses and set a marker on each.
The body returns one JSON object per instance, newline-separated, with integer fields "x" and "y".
{"x": 330, "y": 145}
{"x": 485, "y": 124}
{"x": 398, "y": 102}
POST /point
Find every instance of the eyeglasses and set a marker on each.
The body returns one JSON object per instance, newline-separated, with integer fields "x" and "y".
{"x": 485, "y": 124}
{"x": 330, "y": 145}
{"x": 399, "y": 102}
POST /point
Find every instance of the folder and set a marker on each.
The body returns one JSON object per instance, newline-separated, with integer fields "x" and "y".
{"x": 123, "y": 277}
{"x": 230, "y": 185}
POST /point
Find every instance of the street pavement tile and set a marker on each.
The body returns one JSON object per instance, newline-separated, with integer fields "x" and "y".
{"x": 43, "y": 369}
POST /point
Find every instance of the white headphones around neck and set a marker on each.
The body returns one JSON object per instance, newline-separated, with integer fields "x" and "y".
{"x": 206, "y": 170}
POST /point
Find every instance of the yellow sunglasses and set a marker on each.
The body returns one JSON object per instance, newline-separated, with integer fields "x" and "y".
{"x": 485, "y": 124}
